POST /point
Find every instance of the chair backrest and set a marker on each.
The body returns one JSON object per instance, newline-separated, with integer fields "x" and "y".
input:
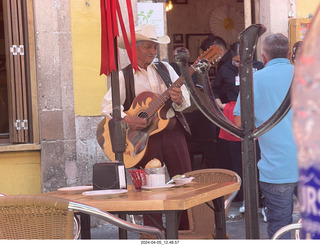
{"x": 116, "y": 221}
{"x": 44, "y": 217}
{"x": 35, "y": 217}
{"x": 288, "y": 228}
{"x": 201, "y": 217}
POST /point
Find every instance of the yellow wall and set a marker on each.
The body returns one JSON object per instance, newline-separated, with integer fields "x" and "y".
{"x": 304, "y": 7}
{"x": 89, "y": 86}
{"x": 20, "y": 173}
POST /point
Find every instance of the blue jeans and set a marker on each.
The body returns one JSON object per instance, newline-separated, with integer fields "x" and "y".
{"x": 279, "y": 203}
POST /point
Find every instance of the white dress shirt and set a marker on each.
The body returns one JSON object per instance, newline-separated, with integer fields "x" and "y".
{"x": 145, "y": 80}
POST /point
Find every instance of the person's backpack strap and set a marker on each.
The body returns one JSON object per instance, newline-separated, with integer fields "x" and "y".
{"x": 129, "y": 82}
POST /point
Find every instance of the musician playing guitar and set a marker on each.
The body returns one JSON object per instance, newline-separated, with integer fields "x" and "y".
{"x": 168, "y": 145}
{"x": 151, "y": 99}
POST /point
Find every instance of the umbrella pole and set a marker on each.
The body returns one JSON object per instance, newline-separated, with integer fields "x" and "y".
{"x": 117, "y": 126}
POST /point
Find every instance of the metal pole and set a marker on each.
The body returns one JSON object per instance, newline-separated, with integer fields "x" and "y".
{"x": 117, "y": 127}
{"x": 249, "y": 166}
{"x": 248, "y": 40}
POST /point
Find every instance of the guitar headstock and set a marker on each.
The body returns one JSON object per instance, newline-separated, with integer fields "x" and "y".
{"x": 212, "y": 54}
{"x": 202, "y": 65}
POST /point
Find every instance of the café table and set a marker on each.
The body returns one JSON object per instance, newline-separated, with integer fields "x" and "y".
{"x": 170, "y": 202}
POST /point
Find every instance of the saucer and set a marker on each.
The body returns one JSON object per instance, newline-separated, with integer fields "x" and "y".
{"x": 76, "y": 189}
{"x": 105, "y": 193}
{"x": 183, "y": 181}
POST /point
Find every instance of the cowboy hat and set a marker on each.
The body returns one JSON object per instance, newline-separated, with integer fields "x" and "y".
{"x": 145, "y": 32}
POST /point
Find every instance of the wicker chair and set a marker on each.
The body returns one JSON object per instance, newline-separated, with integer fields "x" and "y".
{"x": 201, "y": 217}
{"x": 43, "y": 217}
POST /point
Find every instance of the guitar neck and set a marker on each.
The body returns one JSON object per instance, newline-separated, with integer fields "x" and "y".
{"x": 157, "y": 103}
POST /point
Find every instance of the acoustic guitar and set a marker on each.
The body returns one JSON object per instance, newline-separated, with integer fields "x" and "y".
{"x": 152, "y": 107}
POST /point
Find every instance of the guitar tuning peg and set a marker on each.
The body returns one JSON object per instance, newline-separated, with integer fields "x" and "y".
{"x": 202, "y": 65}
{"x": 216, "y": 60}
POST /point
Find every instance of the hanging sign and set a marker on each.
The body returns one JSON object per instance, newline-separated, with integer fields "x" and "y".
{"x": 152, "y": 13}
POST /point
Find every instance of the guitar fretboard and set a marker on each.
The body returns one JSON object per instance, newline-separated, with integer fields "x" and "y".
{"x": 156, "y": 104}
{"x": 211, "y": 55}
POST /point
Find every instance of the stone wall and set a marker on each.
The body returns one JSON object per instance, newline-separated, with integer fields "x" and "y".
{"x": 68, "y": 143}
{"x": 88, "y": 150}
{"x": 55, "y": 90}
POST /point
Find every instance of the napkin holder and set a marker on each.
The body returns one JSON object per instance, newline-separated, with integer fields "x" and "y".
{"x": 109, "y": 175}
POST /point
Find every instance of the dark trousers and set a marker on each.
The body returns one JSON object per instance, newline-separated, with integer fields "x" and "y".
{"x": 170, "y": 147}
{"x": 279, "y": 203}
{"x": 230, "y": 158}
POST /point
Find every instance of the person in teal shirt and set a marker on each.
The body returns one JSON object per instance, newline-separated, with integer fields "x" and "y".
{"x": 278, "y": 166}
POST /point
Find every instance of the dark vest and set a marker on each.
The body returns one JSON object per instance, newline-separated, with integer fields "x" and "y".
{"x": 130, "y": 92}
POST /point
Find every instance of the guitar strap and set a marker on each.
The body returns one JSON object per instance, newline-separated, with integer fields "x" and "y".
{"x": 130, "y": 93}
{"x": 164, "y": 73}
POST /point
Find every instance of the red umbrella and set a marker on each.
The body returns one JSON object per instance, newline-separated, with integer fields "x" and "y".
{"x": 110, "y": 13}
{"x": 110, "y": 9}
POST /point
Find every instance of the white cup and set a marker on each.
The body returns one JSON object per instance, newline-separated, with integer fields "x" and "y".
{"x": 154, "y": 180}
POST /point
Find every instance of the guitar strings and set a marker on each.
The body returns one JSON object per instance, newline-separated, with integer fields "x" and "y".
{"x": 159, "y": 101}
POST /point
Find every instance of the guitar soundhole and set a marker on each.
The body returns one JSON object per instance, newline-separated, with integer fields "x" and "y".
{"x": 143, "y": 115}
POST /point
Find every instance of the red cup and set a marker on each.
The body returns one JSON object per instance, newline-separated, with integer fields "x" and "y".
{"x": 143, "y": 177}
{"x": 138, "y": 178}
